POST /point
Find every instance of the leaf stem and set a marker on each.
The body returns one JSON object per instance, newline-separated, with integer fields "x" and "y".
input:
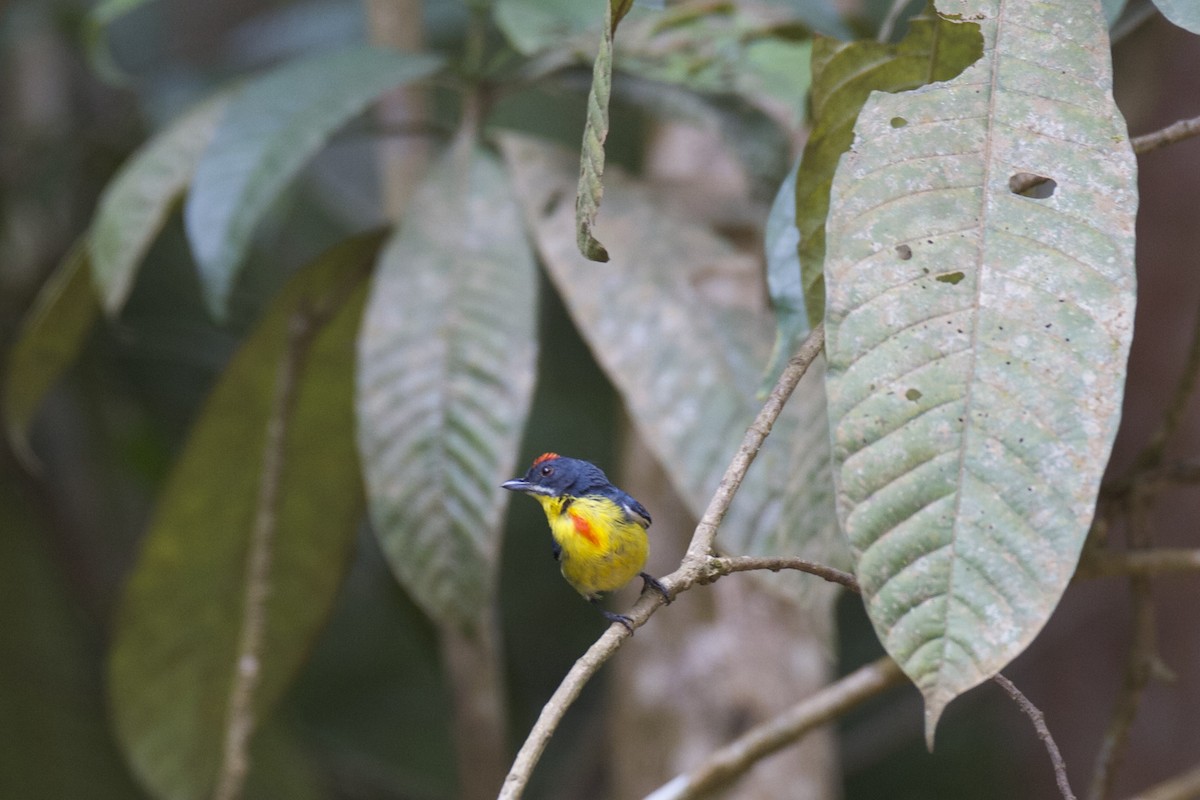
{"x": 696, "y": 564}
{"x": 1175, "y": 132}
{"x": 240, "y": 720}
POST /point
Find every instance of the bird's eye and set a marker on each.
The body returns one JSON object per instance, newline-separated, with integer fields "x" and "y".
{"x": 547, "y": 471}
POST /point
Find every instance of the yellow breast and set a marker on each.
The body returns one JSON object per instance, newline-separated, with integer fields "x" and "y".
{"x": 602, "y": 549}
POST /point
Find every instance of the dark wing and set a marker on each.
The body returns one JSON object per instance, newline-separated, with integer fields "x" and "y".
{"x": 633, "y": 509}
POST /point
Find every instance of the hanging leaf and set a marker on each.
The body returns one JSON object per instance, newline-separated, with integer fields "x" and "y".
{"x": 271, "y": 128}
{"x": 135, "y": 204}
{"x": 686, "y": 367}
{"x": 52, "y": 334}
{"x": 980, "y": 307}
{"x": 95, "y": 30}
{"x": 445, "y": 377}
{"x": 1184, "y": 13}
{"x": 781, "y": 245}
{"x": 176, "y": 643}
{"x": 591, "y": 165}
{"x": 844, "y": 75}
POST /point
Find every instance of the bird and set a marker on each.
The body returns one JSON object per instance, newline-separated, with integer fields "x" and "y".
{"x": 598, "y": 530}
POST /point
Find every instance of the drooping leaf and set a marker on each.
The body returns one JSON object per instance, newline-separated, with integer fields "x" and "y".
{"x": 781, "y": 245}
{"x": 591, "y": 162}
{"x": 445, "y": 377}
{"x": 51, "y": 336}
{"x": 95, "y": 32}
{"x": 55, "y": 737}
{"x": 270, "y": 129}
{"x": 176, "y": 643}
{"x": 1184, "y": 13}
{"x": 135, "y": 205}
{"x": 981, "y": 287}
{"x": 844, "y": 75}
{"x": 686, "y": 366}
{"x": 535, "y": 25}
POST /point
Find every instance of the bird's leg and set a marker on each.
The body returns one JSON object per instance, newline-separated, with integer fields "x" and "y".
{"x": 651, "y": 582}
{"x": 611, "y": 617}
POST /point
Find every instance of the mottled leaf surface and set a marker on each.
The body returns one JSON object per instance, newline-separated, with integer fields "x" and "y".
{"x": 135, "y": 205}
{"x": 844, "y": 74}
{"x": 51, "y": 336}
{"x": 446, "y": 364}
{"x": 686, "y": 364}
{"x": 176, "y": 640}
{"x": 270, "y": 129}
{"x": 978, "y": 329}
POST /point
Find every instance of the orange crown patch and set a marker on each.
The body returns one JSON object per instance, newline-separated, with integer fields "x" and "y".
{"x": 544, "y": 457}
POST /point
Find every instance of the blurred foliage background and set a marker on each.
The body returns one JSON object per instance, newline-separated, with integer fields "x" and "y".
{"x": 369, "y": 711}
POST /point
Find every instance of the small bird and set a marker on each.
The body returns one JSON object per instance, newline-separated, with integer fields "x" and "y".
{"x": 599, "y": 531}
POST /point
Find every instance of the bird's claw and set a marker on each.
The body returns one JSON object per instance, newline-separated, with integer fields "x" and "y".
{"x": 651, "y": 582}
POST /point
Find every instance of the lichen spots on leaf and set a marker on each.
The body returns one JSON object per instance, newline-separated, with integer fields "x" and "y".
{"x": 951, "y": 278}
{"x": 913, "y": 394}
{"x": 904, "y": 252}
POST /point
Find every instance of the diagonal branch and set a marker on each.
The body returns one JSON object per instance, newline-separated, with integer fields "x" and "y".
{"x": 696, "y": 564}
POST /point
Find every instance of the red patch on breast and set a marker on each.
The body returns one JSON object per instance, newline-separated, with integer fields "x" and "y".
{"x": 584, "y": 529}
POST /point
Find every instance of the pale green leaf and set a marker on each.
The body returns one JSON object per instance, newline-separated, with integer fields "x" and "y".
{"x": 445, "y": 376}
{"x": 135, "y": 204}
{"x": 590, "y": 190}
{"x": 270, "y": 129}
{"x": 176, "y": 640}
{"x": 781, "y": 246}
{"x": 844, "y": 75}
{"x": 977, "y": 338}
{"x": 51, "y": 336}
{"x": 95, "y": 29}
{"x": 686, "y": 366}
{"x": 1113, "y": 9}
{"x": 535, "y": 25}
{"x": 1184, "y": 13}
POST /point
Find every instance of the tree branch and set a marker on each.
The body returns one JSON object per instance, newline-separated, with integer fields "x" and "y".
{"x": 734, "y": 759}
{"x": 1140, "y": 562}
{"x": 695, "y": 563}
{"x": 1039, "y": 724}
{"x": 1175, "y": 132}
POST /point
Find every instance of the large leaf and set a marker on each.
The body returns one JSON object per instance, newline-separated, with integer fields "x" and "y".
{"x": 176, "y": 648}
{"x": 844, "y": 75}
{"x": 534, "y": 25}
{"x": 1184, "y": 13}
{"x": 445, "y": 376}
{"x": 977, "y": 339}
{"x": 687, "y": 367}
{"x": 51, "y": 336}
{"x": 135, "y": 205}
{"x": 269, "y": 131}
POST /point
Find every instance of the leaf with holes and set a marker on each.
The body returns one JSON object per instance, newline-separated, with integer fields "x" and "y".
{"x": 980, "y": 293}
{"x": 176, "y": 641}
{"x": 445, "y": 376}
{"x": 268, "y": 132}
{"x": 687, "y": 365}
{"x": 843, "y": 76}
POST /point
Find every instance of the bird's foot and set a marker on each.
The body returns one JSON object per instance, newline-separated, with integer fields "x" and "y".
{"x": 651, "y": 582}
{"x": 621, "y": 618}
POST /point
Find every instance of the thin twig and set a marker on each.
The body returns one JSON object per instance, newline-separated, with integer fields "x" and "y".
{"x": 1175, "y": 132}
{"x": 1140, "y": 562}
{"x": 1140, "y": 666}
{"x": 1185, "y": 786}
{"x": 734, "y": 759}
{"x": 1039, "y": 724}
{"x": 239, "y": 720}
{"x": 694, "y": 564}
{"x": 726, "y": 565}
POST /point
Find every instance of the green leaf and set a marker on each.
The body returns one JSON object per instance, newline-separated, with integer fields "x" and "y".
{"x": 781, "y": 245}
{"x": 135, "y": 205}
{"x": 446, "y": 367}
{"x": 1184, "y": 13}
{"x": 687, "y": 367}
{"x": 535, "y": 25}
{"x": 1113, "y": 10}
{"x": 271, "y": 128}
{"x": 176, "y": 642}
{"x": 94, "y": 36}
{"x": 591, "y": 164}
{"x": 55, "y": 737}
{"x": 844, "y": 75}
{"x": 52, "y": 334}
{"x": 977, "y": 339}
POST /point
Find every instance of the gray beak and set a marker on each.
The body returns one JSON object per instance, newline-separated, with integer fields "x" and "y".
{"x": 517, "y": 485}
